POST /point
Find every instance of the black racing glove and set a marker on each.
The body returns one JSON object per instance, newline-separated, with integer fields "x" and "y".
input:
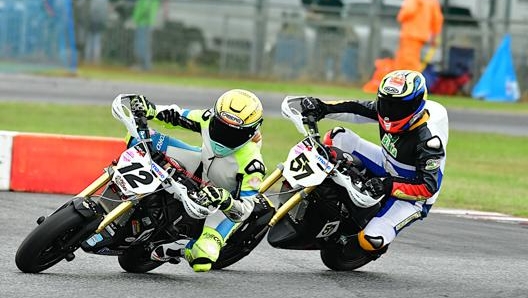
{"x": 315, "y": 107}
{"x": 378, "y": 186}
{"x": 214, "y": 196}
{"x": 140, "y": 102}
{"x": 170, "y": 115}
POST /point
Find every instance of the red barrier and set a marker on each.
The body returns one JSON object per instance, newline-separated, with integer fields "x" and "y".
{"x": 60, "y": 164}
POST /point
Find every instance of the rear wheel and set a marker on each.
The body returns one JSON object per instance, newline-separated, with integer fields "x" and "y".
{"x": 45, "y": 246}
{"x": 137, "y": 260}
{"x": 335, "y": 259}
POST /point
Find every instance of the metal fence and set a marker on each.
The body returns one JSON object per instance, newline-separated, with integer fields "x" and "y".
{"x": 286, "y": 41}
{"x": 36, "y": 34}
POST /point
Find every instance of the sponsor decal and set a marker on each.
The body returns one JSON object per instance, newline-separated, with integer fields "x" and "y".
{"x": 395, "y": 84}
{"x": 130, "y": 239}
{"x": 156, "y": 170}
{"x": 389, "y": 143}
{"x": 328, "y": 229}
{"x": 110, "y": 230}
{"x": 231, "y": 119}
{"x": 432, "y": 164}
{"x": 390, "y": 89}
{"x": 136, "y": 228}
{"x": 214, "y": 238}
{"x": 92, "y": 241}
{"x": 323, "y": 162}
{"x": 299, "y": 148}
{"x": 129, "y": 153}
{"x": 108, "y": 252}
{"x": 120, "y": 182}
{"x": 159, "y": 144}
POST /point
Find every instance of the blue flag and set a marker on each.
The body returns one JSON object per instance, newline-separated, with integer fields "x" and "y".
{"x": 499, "y": 82}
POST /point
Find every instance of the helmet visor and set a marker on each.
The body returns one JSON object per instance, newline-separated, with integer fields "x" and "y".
{"x": 229, "y": 135}
{"x": 397, "y": 109}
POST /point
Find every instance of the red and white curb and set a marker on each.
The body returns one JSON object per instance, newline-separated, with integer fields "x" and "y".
{"x": 46, "y": 163}
{"x": 493, "y": 216}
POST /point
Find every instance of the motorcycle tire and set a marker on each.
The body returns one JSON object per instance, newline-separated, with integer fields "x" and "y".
{"x": 334, "y": 259}
{"x": 42, "y": 248}
{"x": 235, "y": 251}
{"x": 246, "y": 237}
{"x": 137, "y": 260}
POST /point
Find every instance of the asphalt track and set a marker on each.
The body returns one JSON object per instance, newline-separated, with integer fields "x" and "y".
{"x": 86, "y": 91}
{"x": 442, "y": 256}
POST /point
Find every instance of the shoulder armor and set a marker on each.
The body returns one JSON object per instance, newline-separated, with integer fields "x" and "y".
{"x": 255, "y": 166}
{"x": 434, "y": 143}
{"x": 206, "y": 115}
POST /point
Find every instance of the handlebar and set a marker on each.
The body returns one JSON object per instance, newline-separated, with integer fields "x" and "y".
{"x": 141, "y": 120}
{"x": 134, "y": 118}
{"x": 294, "y": 114}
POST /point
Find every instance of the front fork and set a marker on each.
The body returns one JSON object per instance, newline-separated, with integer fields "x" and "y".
{"x": 116, "y": 212}
{"x": 288, "y": 205}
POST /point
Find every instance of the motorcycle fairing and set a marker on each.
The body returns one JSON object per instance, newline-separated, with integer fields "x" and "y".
{"x": 328, "y": 213}
{"x": 305, "y": 166}
{"x": 137, "y": 174}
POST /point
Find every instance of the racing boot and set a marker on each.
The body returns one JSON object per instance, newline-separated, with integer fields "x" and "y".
{"x": 169, "y": 252}
{"x": 361, "y": 244}
{"x": 205, "y": 251}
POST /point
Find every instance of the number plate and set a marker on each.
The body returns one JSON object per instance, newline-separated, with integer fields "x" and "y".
{"x": 304, "y": 166}
{"x": 136, "y": 174}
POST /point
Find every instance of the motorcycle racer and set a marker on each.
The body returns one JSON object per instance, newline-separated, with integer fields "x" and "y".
{"x": 229, "y": 160}
{"x": 408, "y": 167}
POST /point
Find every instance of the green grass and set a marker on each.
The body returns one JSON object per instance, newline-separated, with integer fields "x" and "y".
{"x": 484, "y": 171}
{"x": 325, "y": 91}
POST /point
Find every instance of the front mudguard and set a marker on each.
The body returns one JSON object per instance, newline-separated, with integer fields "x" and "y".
{"x": 84, "y": 206}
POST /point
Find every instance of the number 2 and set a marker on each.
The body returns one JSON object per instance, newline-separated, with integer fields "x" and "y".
{"x": 143, "y": 178}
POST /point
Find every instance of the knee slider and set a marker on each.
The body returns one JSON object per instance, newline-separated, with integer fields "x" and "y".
{"x": 370, "y": 243}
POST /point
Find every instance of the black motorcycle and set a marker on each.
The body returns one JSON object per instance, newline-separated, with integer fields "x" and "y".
{"x": 322, "y": 203}
{"x": 143, "y": 199}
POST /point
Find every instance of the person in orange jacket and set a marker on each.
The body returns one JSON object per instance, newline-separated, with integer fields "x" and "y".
{"x": 421, "y": 22}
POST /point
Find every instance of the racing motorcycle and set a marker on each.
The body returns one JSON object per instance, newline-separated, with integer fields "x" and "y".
{"x": 143, "y": 199}
{"x": 322, "y": 201}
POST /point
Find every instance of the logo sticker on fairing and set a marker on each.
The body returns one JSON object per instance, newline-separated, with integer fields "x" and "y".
{"x": 328, "y": 229}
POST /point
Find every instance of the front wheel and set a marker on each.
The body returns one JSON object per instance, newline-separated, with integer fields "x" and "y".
{"x": 334, "y": 259}
{"x": 46, "y": 245}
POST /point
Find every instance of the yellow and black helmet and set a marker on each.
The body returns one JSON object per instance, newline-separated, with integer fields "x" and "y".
{"x": 237, "y": 115}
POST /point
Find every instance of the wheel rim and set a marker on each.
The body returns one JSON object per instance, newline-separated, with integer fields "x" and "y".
{"x": 55, "y": 251}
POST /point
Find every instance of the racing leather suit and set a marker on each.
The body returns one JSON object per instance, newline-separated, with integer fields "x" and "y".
{"x": 414, "y": 159}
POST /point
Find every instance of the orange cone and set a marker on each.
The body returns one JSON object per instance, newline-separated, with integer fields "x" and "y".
{"x": 383, "y": 67}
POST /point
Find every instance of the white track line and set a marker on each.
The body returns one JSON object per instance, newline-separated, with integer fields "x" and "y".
{"x": 480, "y": 215}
